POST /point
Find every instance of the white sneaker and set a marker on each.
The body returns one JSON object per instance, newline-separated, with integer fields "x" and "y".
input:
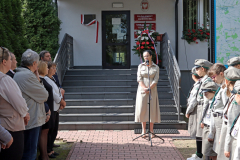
{"x": 195, "y": 157}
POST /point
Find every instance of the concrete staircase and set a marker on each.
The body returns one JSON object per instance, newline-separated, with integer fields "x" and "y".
{"x": 104, "y": 99}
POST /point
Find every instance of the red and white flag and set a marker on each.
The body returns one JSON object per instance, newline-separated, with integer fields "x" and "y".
{"x": 91, "y": 23}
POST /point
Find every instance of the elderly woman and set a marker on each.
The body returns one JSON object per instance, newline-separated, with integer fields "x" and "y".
{"x": 35, "y": 94}
{"x": 58, "y": 104}
{"x": 13, "y": 110}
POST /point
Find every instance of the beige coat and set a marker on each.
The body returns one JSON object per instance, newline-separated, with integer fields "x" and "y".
{"x": 13, "y": 106}
{"x": 141, "y": 108}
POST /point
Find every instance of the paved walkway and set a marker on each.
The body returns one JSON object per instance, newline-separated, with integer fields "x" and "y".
{"x": 114, "y": 145}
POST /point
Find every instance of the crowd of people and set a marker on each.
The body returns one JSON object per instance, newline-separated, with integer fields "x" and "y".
{"x": 30, "y": 100}
{"x": 214, "y": 108}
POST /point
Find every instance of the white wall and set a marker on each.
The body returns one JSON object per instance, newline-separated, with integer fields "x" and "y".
{"x": 89, "y": 53}
{"x": 187, "y": 53}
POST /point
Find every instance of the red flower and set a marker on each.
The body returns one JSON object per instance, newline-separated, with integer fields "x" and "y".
{"x": 138, "y": 48}
{"x": 200, "y": 30}
{"x": 143, "y": 43}
{"x": 208, "y": 33}
{"x": 137, "y": 43}
{"x": 159, "y": 60}
{"x": 152, "y": 42}
{"x": 206, "y": 38}
{"x": 196, "y": 42}
{"x": 142, "y": 47}
{"x": 188, "y": 30}
{"x": 152, "y": 47}
{"x": 147, "y": 43}
{"x": 195, "y": 38}
{"x": 195, "y": 23}
{"x": 201, "y": 33}
{"x": 193, "y": 30}
{"x": 148, "y": 47}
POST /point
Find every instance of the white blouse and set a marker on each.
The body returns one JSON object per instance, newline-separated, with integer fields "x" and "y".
{"x": 57, "y": 96}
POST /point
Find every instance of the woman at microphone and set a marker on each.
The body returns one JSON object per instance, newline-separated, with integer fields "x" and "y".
{"x": 142, "y": 99}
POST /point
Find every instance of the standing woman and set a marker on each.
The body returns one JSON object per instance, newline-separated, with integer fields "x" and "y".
{"x": 43, "y": 71}
{"x": 216, "y": 72}
{"x": 231, "y": 111}
{"x": 57, "y": 102}
{"x": 191, "y": 111}
{"x": 142, "y": 110}
{"x": 13, "y": 110}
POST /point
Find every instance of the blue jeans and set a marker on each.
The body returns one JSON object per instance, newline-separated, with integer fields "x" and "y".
{"x": 30, "y": 143}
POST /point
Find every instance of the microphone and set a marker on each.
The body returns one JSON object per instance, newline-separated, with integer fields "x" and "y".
{"x": 147, "y": 62}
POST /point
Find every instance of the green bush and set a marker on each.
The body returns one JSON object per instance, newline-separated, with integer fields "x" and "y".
{"x": 42, "y": 25}
{"x": 12, "y": 28}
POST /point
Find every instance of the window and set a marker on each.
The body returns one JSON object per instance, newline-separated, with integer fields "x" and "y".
{"x": 195, "y": 14}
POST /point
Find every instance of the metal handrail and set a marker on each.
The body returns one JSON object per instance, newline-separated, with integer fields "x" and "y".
{"x": 64, "y": 57}
{"x": 173, "y": 70}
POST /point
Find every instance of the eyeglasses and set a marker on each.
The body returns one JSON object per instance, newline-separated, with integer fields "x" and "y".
{"x": 3, "y": 52}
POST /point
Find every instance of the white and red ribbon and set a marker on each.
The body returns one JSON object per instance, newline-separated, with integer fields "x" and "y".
{"x": 147, "y": 32}
{"x": 91, "y": 23}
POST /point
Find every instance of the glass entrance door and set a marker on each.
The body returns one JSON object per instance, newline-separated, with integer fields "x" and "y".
{"x": 116, "y": 39}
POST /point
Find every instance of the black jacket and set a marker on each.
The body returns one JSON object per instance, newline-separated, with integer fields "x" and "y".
{"x": 10, "y": 74}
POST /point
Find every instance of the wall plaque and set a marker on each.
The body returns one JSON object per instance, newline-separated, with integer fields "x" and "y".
{"x": 144, "y": 17}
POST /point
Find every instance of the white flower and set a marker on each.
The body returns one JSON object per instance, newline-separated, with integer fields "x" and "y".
{"x": 146, "y": 38}
{"x": 144, "y": 33}
{"x": 142, "y": 38}
{"x": 139, "y": 32}
{"x": 138, "y": 37}
{"x": 150, "y": 34}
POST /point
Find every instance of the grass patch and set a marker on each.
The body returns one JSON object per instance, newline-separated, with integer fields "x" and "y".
{"x": 63, "y": 150}
{"x": 186, "y": 147}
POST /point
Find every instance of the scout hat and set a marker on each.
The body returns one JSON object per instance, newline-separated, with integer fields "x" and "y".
{"x": 233, "y": 61}
{"x": 210, "y": 86}
{"x": 194, "y": 71}
{"x": 202, "y": 63}
{"x": 232, "y": 74}
{"x": 236, "y": 88}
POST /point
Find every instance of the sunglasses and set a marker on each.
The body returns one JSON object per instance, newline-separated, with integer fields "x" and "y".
{"x": 3, "y": 52}
{"x": 213, "y": 77}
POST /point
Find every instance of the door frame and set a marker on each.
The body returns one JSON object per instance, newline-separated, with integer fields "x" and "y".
{"x": 128, "y": 39}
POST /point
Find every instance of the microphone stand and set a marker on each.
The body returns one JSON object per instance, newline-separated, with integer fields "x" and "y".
{"x": 149, "y": 99}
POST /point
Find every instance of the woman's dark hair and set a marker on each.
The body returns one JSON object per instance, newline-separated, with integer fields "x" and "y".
{"x": 217, "y": 68}
{"x": 51, "y": 64}
{"x": 149, "y": 51}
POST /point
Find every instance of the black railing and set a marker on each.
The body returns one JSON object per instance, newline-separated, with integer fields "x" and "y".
{"x": 64, "y": 57}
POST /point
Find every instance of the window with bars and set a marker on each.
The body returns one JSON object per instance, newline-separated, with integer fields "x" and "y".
{"x": 195, "y": 14}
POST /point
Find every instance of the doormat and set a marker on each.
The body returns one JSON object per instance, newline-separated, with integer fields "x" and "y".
{"x": 159, "y": 131}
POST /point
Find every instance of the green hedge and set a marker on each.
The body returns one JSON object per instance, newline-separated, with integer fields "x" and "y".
{"x": 42, "y": 25}
{"x": 12, "y": 28}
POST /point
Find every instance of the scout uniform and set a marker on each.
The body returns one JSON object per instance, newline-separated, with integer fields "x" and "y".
{"x": 219, "y": 101}
{"x": 207, "y": 147}
{"x": 192, "y": 106}
{"x": 202, "y": 101}
{"x": 230, "y": 111}
{"x": 233, "y": 61}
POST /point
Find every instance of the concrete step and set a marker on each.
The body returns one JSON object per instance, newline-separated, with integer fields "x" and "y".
{"x": 109, "y": 102}
{"x": 110, "y": 88}
{"x": 112, "y": 116}
{"x": 110, "y": 95}
{"x": 119, "y": 125}
{"x": 111, "y": 109}
{"x": 105, "y": 71}
{"x": 107, "y": 82}
{"x": 108, "y": 77}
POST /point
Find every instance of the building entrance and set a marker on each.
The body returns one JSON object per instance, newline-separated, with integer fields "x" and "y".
{"x": 116, "y": 39}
